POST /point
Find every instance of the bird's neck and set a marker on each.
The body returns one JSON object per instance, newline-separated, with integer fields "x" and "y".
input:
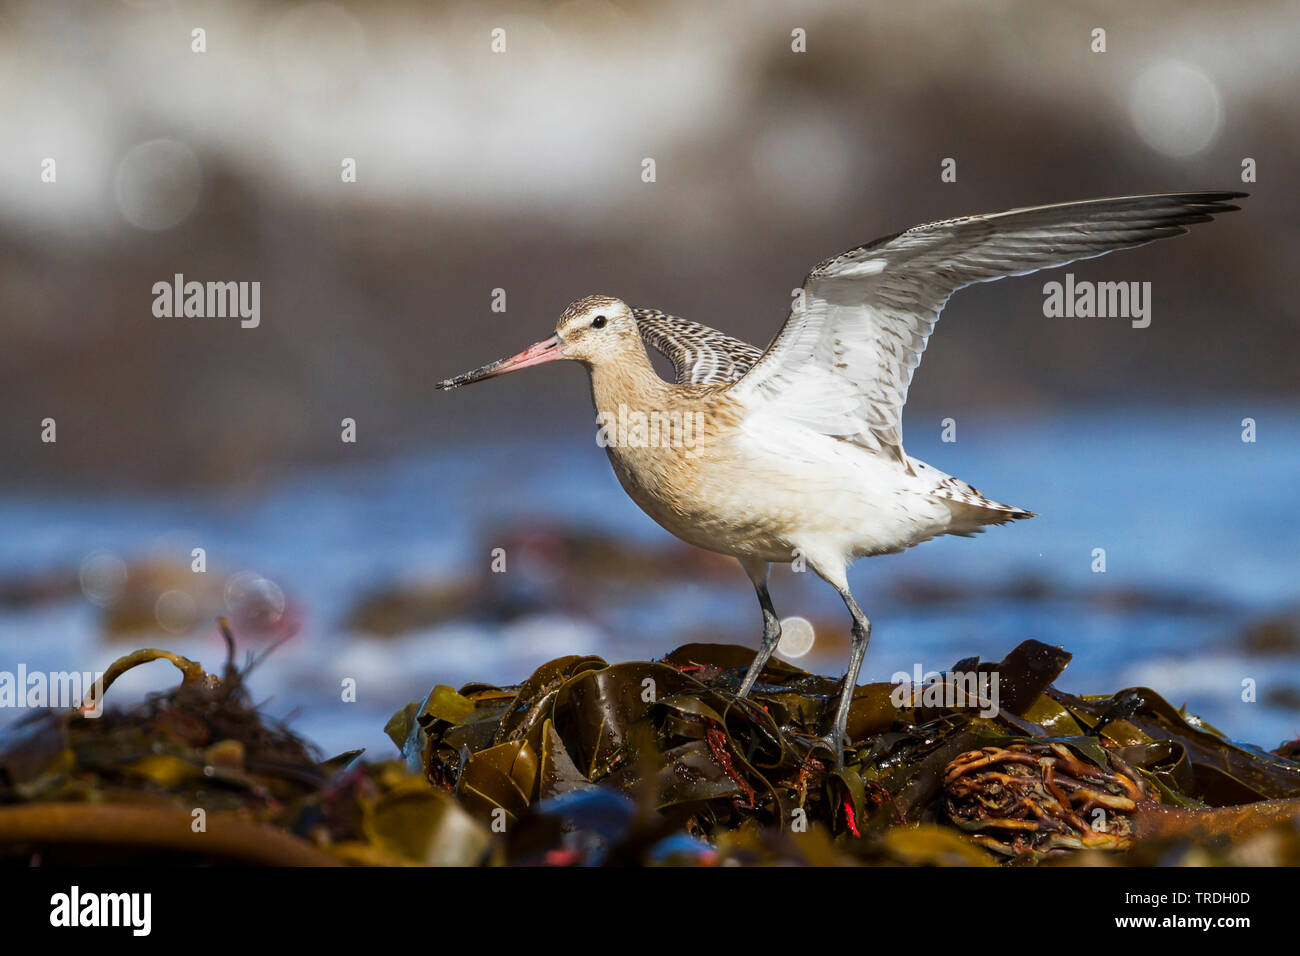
{"x": 630, "y": 381}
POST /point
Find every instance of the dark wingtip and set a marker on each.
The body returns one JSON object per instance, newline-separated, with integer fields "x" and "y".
{"x": 1215, "y": 202}
{"x": 1221, "y": 195}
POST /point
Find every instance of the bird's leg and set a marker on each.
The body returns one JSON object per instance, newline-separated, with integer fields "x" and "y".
{"x": 861, "y": 637}
{"x": 758, "y": 572}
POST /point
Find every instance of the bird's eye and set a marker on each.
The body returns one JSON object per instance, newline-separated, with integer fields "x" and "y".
{"x": 598, "y": 322}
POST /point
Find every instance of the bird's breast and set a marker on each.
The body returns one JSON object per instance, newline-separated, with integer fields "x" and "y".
{"x": 679, "y": 464}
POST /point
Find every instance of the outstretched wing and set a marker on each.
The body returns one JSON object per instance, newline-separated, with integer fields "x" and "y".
{"x": 844, "y": 359}
{"x": 700, "y": 355}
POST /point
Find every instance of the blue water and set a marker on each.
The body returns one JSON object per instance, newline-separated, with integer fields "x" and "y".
{"x": 1181, "y": 506}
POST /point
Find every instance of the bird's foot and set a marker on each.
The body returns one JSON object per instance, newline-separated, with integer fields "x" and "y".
{"x": 835, "y": 744}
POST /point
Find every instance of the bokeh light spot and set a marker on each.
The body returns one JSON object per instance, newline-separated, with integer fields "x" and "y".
{"x": 103, "y": 576}
{"x": 1175, "y": 108}
{"x": 797, "y": 637}
{"x": 158, "y": 184}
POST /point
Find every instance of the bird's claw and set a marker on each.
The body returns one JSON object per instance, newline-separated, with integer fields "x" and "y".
{"x": 835, "y": 744}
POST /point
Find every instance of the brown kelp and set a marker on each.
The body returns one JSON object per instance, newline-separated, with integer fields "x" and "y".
{"x": 641, "y": 762}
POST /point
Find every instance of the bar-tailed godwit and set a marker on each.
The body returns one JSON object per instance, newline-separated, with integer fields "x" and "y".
{"x": 795, "y": 452}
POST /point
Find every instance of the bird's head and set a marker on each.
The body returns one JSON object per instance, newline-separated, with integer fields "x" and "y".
{"x": 591, "y": 330}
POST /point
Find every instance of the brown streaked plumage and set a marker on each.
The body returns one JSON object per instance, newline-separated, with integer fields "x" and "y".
{"x": 700, "y": 355}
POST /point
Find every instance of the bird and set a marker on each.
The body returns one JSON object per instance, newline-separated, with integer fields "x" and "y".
{"x": 794, "y": 453}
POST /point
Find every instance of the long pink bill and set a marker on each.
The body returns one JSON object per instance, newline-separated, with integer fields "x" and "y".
{"x": 544, "y": 351}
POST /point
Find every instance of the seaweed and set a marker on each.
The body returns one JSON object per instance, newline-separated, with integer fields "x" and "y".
{"x": 654, "y": 762}
{"x": 1040, "y": 776}
{"x": 199, "y": 774}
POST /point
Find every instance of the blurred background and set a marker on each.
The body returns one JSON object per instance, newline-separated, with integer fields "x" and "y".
{"x": 521, "y": 169}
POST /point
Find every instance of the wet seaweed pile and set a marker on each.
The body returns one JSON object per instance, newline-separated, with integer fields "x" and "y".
{"x": 653, "y": 762}
{"x": 1040, "y": 775}
{"x": 200, "y": 775}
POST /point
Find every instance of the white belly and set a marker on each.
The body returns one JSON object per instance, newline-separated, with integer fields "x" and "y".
{"x": 767, "y": 493}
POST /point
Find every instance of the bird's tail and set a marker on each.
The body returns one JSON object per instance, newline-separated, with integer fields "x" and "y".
{"x": 972, "y": 511}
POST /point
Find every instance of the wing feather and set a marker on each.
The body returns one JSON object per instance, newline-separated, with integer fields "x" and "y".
{"x": 699, "y": 355}
{"x": 844, "y": 359}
